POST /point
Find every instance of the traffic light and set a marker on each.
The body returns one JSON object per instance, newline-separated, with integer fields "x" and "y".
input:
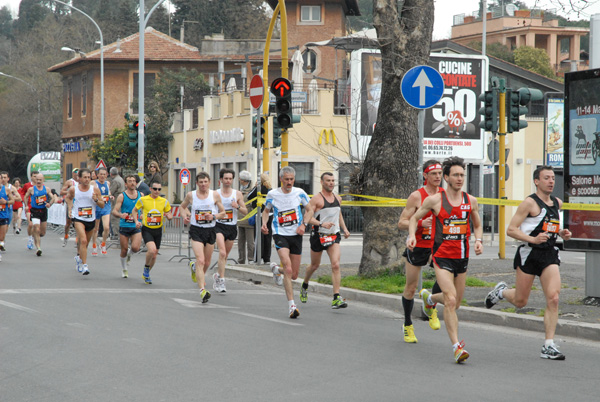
{"x": 282, "y": 89}
{"x": 518, "y": 100}
{"x": 133, "y": 135}
{"x": 277, "y": 130}
{"x": 489, "y": 111}
{"x": 256, "y": 131}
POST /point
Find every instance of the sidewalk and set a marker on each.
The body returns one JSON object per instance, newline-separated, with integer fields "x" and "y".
{"x": 576, "y": 318}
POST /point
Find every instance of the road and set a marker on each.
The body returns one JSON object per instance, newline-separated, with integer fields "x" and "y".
{"x": 68, "y": 337}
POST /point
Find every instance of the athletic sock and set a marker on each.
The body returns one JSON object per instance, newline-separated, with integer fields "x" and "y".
{"x": 304, "y": 285}
{"x": 500, "y": 294}
{"x": 408, "y": 306}
{"x": 123, "y": 262}
{"x": 455, "y": 346}
{"x": 429, "y": 301}
{"x": 549, "y": 342}
{"x": 291, "y": 303}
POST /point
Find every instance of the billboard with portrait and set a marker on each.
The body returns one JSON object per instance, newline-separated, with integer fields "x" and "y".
{"x": 582, "y": 157}
{"x": 555, "y": 131}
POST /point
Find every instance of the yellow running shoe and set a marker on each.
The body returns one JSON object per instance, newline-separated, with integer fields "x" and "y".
{"x": 192, "y": 266}
{"x": 460, "y": 354}
{"x": 409, "y": 334}
{"x": 434, "y": 321}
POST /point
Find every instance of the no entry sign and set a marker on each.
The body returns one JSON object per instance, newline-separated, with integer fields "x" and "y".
{"x": 256, "y": 91}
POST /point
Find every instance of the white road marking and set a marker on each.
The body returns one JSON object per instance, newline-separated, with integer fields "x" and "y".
{"x": 113, "y": 291}
{"x": 17, "y": 307}
{"x": 196, "y": 304}
{"x": 267, "y": 318}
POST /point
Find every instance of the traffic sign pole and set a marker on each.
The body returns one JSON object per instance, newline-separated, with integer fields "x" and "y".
{"x": 258, "y": 224}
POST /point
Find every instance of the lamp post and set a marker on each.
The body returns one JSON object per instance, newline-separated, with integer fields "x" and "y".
{"x": 101, "y": 66}
{"x": 34, "y": 89}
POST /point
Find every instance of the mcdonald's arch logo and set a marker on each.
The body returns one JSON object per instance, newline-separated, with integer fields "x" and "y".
{"x": 326, "y": 133}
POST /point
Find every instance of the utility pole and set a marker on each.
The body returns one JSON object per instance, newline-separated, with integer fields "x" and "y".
{"x": 502, "y": 169}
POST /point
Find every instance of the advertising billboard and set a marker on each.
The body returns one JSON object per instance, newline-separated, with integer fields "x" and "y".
{"x": 47, "y": 163}
{"x": 451, "y": 126}
{"x": 555, "y": 131}
{"x": 582, "y": 157}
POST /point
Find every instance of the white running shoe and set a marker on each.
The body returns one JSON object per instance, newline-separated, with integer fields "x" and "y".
{"x": 277, "y": 277}
{"x": 65, "y": 240}
{"x": 216, "y": 282}
{"x": 85, "y": 270}
{"x": 128, "y": 255}
{"x": 125, "y": 273}
{"x": 78, "y": 264}
{"x": 294, "y": 313}
{"x": 222, "y": 286}
{"x": 30, "y": 244}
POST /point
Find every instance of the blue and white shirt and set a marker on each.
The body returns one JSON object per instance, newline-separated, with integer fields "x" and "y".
{"x": 287, "y": 210}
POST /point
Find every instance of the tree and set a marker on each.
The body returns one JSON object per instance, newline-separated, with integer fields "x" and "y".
{"x": 390, "y": 166}
{"x": 365, "y": 20}
{"x": 496, "y": 49}
{"x": 536, "y": 60}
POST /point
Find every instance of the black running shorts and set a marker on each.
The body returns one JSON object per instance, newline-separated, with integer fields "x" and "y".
{"x": 203, "y": 235}
{"x": 88, "y": 226}
{"x": 40, "y": 213}
{"x": 418, "y": 257}
{"x": 293, "y": 243}
{"x": 319, "y": 243}
{"x": 456, "y": 266}
{"x": 229, "y": 232}
{"x": 152, "y": 235}
{"x": 533, "y": 261}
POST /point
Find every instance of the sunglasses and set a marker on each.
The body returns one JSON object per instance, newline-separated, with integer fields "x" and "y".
{"x": 156, "y": 189}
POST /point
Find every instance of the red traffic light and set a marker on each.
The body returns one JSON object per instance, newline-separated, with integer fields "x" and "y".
{"x": 281, "y": 87}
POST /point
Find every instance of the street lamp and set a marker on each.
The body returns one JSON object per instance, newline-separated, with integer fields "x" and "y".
{"x": 34, "y": 89}
{"x": 101, "y": 66}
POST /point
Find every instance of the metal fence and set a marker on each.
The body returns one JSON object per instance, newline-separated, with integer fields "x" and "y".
{"x": 173, "y": 236}
{"x": 353, "y": 218}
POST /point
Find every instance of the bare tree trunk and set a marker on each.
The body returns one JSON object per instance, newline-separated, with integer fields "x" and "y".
{"x": 390, "y": 167}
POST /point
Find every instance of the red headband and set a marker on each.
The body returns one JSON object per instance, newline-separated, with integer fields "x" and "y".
{"x": 432, "y": 167}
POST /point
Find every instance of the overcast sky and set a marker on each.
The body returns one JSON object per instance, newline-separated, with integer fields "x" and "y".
{"x": 444, "y": 11}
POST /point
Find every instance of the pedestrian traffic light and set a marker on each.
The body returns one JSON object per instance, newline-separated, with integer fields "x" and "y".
{"x": 518, "y": 100}
{"x": 133, "y": 135}
{"x": 282, "y": 89}
{"x": 489, "y": 111}
{"x": 258, "y": 129}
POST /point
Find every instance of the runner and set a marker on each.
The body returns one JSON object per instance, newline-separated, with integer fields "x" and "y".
{"x": 537, "y": 224}
{"x": 25, "y": 188}
{"x": 206, "y": 209}
{"x": 326, "y": 237}
{"x": 63, "y": 192}
{"x": 153, "y": 208}
{"x": 102, "y": 214}
{"x": 415, "y": 259}
{"x": 40, "y": 200}
{"x": 288, "y": 227}
{"x": 82, "y": 200}
{"x": 226, "y": 228}
{"x": 17, "y": 207}
{"x": 6, "y": 202}
{"x": 127, "y": 229}
{"x": 454, "y": 212}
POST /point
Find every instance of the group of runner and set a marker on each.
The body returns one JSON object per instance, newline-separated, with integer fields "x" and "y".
{"x": 439, "y": 227}
{"x": 438, "y": 222}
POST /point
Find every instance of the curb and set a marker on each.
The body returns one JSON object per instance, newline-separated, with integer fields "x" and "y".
{"x": 570, "y": 328}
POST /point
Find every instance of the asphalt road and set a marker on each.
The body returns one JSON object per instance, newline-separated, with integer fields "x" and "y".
{"x": 68, "y": 337}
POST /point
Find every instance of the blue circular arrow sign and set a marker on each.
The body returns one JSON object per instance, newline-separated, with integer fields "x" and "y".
{"x": 422, "y": 87}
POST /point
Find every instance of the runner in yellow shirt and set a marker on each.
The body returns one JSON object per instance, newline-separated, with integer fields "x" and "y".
{"x": 154, "y": 208}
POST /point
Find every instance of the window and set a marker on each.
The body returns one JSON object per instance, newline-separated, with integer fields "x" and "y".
{"x": 69, "y": 99}
{"x": 148, "y": 84}
{"x": 304, "y": 175}
{"x": 214, "y": 175}
{"x": 309, "y": 57}
{"x": 310, "y": 13}
{"x": 83, "y": 95}
{"x": 195, "y": 118}
{"x": 69, "y": 171}
{"x": 83, "y": 165}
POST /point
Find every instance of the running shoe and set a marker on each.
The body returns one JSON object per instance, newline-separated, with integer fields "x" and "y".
{"x": 429, "y": 310}
{"x": 94, "y": 250}
{"x": 494, "y": 296}
{"x": 551, "y": 352}
{"x": 0, "y": 257}
{"x": 304, "y": 295}
{"x": 409, "y": 334}
{"x": 125, "y": 273}
{"x": 85, "y": 270}
{"x": 222, "y": 288}
{"x": 18, "y": 230}
{"x": 103, "y": 248}
{"x": 146, "y": 276}
{"x": 460, "y": 354}
{"x": 216, "y": 282}
{"x": 128, "y": 255}
{"x": 2, "y": 248}
{"x": 205, "y": 295}
{"x": 78, "y": 264}
{"x": 277, "y": 277}
{"x": 294, "y": 313}
{"x": 39, "y": 252}
{"x": 30, "y": 244}
{"x": 338, "y": 302}
{"x": 192, "y": 266}
{"x": 65, "y": 240}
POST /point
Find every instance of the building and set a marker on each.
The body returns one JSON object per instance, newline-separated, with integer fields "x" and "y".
{"x": 515, "y": 28}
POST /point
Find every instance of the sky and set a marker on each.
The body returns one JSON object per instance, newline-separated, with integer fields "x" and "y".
{"x": 444, "y": 11}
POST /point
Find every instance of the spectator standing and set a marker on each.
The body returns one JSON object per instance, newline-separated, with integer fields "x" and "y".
{"x": 265, "y": 187}
{"x": 154, "y": 175}
{"x": 117, "y": 186}
{"x": 246, "y": 232}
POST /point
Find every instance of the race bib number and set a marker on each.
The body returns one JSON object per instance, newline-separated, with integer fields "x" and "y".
{"x": 327, "y": 239}
{"x": 426, "y": 234}
{"x": 551, "y": 226}
{"x": 202, "y": 216}
{"x": 3, "y": 207}
{"x": 106, "y": 198}
{"x": 228, "y": 216}
{"x": 40, "y": 200}
{"x": 84, "y": 212}
{"x": 455, "y": 229}
{"x": 287, "y": 218}
{"x": 153, "y": 219}
{"x": 128, "y": 218}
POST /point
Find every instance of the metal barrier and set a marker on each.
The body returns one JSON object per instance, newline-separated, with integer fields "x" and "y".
{"x": 353, "y": 218}
{"x": 173, "y": 231}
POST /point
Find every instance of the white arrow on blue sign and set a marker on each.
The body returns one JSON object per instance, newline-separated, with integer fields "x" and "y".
{"x": 422, "y": 87}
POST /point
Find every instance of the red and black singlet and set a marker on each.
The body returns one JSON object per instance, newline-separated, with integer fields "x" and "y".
{"x": 452, "y": 229}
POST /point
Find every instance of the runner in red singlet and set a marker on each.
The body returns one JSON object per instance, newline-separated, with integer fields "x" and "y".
{"x": 454, "y": 212}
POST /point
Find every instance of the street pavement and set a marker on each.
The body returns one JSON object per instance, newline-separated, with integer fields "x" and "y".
{"x": 68, "y": 337}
